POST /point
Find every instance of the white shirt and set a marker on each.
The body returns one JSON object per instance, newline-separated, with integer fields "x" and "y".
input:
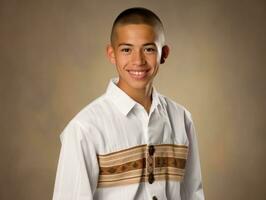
{"x": 113, "y": 149}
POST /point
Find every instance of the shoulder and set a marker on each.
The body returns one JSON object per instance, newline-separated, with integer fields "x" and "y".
{"x": 93, "y": 111}
{"x": 91, "y": 114}
{"x": 174, "y": 107}
{"x": 180, "y": 116}
{"x": 86, "y": 124}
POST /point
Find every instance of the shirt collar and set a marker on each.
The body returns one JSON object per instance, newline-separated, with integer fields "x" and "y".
{"x": 124, "y": 102}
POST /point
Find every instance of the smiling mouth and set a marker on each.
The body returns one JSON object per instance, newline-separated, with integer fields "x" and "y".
{"x": 138, "y": 74}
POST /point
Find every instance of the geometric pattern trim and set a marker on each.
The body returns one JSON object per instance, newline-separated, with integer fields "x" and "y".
{"x": 143, "y": 163}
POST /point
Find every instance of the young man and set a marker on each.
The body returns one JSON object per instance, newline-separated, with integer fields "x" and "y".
{"x": 132, "y": 142}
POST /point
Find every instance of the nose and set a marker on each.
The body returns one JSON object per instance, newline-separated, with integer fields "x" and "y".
{"x": 138, "y": 58}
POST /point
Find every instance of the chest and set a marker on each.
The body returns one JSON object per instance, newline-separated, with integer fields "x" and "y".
{"x": 123, "y": 132}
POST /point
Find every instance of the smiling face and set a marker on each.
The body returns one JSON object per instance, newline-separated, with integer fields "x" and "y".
{"x": 137, "y": 52}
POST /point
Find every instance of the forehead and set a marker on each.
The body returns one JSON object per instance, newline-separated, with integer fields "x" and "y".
{"x": 132, "y": 33}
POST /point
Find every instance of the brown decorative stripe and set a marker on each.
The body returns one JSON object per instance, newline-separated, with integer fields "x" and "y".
{"x": 116, "y": 169}
{"x": 170, "y": 162}
{"x": 121, "y": 159}
{"x": 134, "y": 165}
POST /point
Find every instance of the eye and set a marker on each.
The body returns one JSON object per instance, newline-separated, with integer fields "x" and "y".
{"x": 126, "y": 50}
{"x": 150, "y": 49}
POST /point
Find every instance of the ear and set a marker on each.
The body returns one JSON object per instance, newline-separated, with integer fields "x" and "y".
{"x": 110, "y": 54}
{"x": 165, "y": 53}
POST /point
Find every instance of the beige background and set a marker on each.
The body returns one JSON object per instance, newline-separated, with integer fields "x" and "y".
{"x": 52, "y": 58}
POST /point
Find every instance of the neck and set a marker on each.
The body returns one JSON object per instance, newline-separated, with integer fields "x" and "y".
{"x": 142, "y": 96}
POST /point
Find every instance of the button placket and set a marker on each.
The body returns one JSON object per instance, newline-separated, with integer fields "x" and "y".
{"x": 150, "y": 163}
{"x": 144, "y": 119}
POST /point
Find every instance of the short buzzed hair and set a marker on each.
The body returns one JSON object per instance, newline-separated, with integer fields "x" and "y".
{"x": 137, "y": 15}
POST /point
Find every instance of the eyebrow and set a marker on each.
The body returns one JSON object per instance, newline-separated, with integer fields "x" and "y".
{"x": 128, "y": 44}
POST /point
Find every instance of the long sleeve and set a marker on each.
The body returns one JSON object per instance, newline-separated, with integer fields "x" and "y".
{"x": 77, "y": 172}
{"x": 191, "y": 187}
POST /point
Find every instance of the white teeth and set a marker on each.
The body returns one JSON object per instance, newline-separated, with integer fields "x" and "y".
{"x": 137, "y": 73}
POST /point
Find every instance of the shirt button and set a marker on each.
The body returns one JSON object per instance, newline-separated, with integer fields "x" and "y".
{"x": 151, "y": 178}
{"x": 154, "y": 198}
{"x": 151, "y": 150}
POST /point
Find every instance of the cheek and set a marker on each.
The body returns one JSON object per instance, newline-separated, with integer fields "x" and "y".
{"x": 120, "y": 62}
{"x": 153, "y": 60}
{"x": 123, "y": 60}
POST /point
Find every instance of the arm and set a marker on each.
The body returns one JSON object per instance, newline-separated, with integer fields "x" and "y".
{"x": 191, "y": 187}
{"x": 77, "y": 172}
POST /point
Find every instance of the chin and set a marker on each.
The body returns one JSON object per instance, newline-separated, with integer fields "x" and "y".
{"x": 140, "y": 85}
{"x": 135, "y": 83}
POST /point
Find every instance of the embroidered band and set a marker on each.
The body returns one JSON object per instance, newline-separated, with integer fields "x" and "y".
{"x": 142, "y": 163}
